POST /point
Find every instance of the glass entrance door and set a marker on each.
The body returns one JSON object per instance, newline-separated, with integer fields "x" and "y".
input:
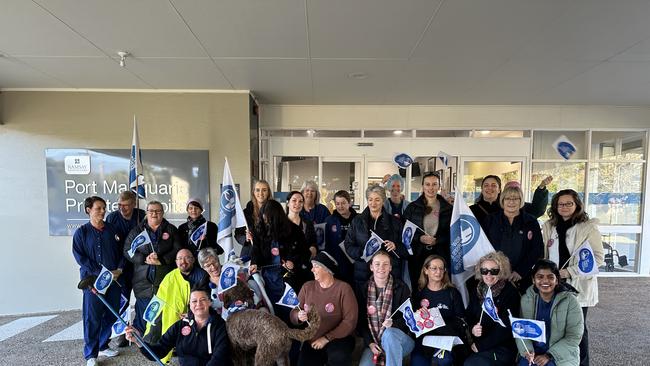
{"x": 474, "y": 170}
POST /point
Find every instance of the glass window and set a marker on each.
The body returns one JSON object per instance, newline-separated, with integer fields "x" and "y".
{"x": 565, "y": 176}
{"x": 338, "y": 176}
{"x": 337, "y": 133}
{"x": 474, "y": 171}
{"x": 543, "y": 142}
{"x": 292, "y": 172}
{"x": 620, "y": 252}
{"x": 499, "y": 134}
{"x": 388, "y": 133}
{"x": 612, "y": 145}
{"x": 442, "y": 133}
{"x": 615, "y": 193}
{"x": 424, "y": 164}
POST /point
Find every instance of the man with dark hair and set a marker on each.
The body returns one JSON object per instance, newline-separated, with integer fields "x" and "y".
{"x": 97, "y": 244}
{"x": 125, "y": 218}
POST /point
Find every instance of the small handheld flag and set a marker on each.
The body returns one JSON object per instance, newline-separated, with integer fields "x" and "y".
{"x": 103, "y": 281}
{"x": 534, "y": 330}
{"x": 586, "y": 260}
{"x": 402, "y": 160}
{"x": 118, "y": 328}
{"x": 320, "y": 235}
{"x": 490, "y": 309}
{"x": 564, "y": 147}
{"x": 198, "y": 233}
{"x": 372, "y": 246}
{"x": 444, "y": 158}
{"x": 421, "y": 321}
{"x": 289, "y": 298}
{"x": 408, "y": 233}
{"x": 342, "y": 246}
{"x": 231, "y": 215}
{"x": 153, "y": 309}
{"x": 140, "y": 240}
{"x": 228, "y": 277}
{"x": 136, "y": 171}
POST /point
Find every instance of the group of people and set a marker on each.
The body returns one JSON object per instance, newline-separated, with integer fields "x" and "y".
{"x": 533, "y": 274}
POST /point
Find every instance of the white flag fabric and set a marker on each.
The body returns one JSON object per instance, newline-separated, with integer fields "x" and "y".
{"x": 231, "y": 215}
{"x": 198, "y": 233}
{"x": 534, "y": 330}
{"x": 491, "y": 309}
{"x": 342, "y": 246}
{"x": 441, "y": 342}
{"x": 118, "y": 328}
{"x": 320, "y": 235}
{"x": 408, "y": 233}
{"x": 140, "y": 240}
{"x": 586, "y": 260}
{"x": 468, "y": 244}
{"x": 289, "y": 297}
{"x": 444, "y": 158}
{"x": 372, "y": 246}
{"x": 153, "y": 309}
{"x": 103, "y": 281}
{"x": 136, "y": 171}
{"x": 228, "y": 277}
{"x": 420, "y": 321}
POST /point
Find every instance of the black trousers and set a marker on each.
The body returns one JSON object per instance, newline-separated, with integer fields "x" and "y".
{"x": 584, "y": 343}
{"x": 337, "y": 352}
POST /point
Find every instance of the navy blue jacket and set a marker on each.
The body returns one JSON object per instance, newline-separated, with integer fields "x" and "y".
{"x": 93, "y": 248}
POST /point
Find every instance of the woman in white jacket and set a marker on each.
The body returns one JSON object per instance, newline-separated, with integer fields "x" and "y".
{"x": 567, "y": 229}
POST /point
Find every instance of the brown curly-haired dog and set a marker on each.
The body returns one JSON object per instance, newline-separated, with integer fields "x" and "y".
{"x": 259, "y": 332}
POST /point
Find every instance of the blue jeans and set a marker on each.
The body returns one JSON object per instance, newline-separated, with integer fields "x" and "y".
{"x": 420, "y": 358}
{"x": 396, "y": 346}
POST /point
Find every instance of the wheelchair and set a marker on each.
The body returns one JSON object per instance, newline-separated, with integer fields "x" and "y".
{"x": 609, "y": 258}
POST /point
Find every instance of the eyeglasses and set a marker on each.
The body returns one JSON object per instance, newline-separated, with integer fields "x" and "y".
{"x": 436, "y": 269}
{"x": 512, "y": 199}
{"x": 157, "y": 212}
{"x": 492, "y": 271}
{"x": 565, "y": 204}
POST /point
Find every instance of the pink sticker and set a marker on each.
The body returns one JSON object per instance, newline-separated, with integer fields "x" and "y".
{"x": 329, "y": 307}
{"x": 424, "y": 314}
{"x": 186, "y": 330}
{"x": 372, "y": 310}
{"x": 420, "y": 325}
{"x": 428, "y": 323}
{"x": 424, "y": 303}
{"x": 530, "y": 235}
{"x": 549, "y": 243}
{"x": 165, "y": 236}
{"x": 334, "y": 228}
{"x": 275, "y": 251}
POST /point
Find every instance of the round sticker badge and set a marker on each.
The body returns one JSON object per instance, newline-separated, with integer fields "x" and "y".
{"x": 424, "y": 303}
{"x": 165, "y": 236}
{"x": 428, "y": 323}
{"x": 329, "y": 307}
{"x": 186, "y": 330}
{"x": 530, "y": 235}
{"x": 372, "y": 310}
{"x": 420, "y": 325}
{"x": 334, "y": 228}
{"x": 275, "y": 251}
{"x": 425, "y": 314}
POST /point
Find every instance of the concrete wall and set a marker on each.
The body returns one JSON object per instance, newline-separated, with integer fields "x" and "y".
{"x": 34, "y": 121}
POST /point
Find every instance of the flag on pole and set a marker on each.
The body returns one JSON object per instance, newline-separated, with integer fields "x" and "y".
{"x": 468, "y": 244}
{"x": 372, "y": 246}
{"x": 491, "y": 309}
{"x": 342, "y": 246}
{"x": 228, "y": 277}
{"x": 289, "y": 297}
{"x": 534, "y": 330}
{"x": 118, "y": 328}
{"x": 153, "y": 309}
{"x": 136, "y": 172}
{"x": 420, "y": 321}
{"x": 231, "y": 215}
{"x": 586, "y": 260}
{"x": 444, "y": 158}
{"x": 408, "y": 233}
{"x": 198, "y": 233}
{"x": 140, "y": 240}
{"x": 103, "y": 281}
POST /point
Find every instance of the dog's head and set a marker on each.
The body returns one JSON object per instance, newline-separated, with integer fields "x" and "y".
{"x": 241, "y": 292}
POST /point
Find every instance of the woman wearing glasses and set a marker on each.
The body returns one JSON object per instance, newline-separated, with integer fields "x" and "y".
{"x": 431, "y": 213}
{"x": 568, "y": 228}
{"x": 492, "y": 343}
{"x": 517, "y": 234}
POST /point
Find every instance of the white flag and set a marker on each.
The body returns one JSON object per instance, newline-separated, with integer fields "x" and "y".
{"x": 231, "y": 215}
{"x": 408, "y": 233}
{"x": 534, "y": 330}
{"x": 118, "y": 328}
{"x": 104, "y": 280}
{"x": 289, "y": 297}
{"x": 228, "y": 277}
{"x": 420, "y": 321}
{"x": 198, "y": 233}
{"x": 468, "y": 244}
{"x": 136, "y": 171}
{"x": 586, "y": 261}
{"x": 372, "y": 246}
{"x": 444, "y": 158}
{"x": 140, "y": 240}
{"x": 320, "y": 235}
{"x": 491, "y": 309}
{"x": 153, "y": 309}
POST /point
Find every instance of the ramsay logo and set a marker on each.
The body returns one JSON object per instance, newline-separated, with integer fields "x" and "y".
{"x": 77, "y": 165}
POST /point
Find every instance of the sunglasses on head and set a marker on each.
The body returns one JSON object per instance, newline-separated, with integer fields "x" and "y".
{"x": 492, "y": 271}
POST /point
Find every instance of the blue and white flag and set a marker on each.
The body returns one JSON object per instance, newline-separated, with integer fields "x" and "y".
{"x": 372, "y": 246}
{"x": 444, "y": 158}
{"x": 140, "y": 240}
{"x": 118, "y": 328}
{"x": 468, "y": 244}
{"x": 198, "y": 233}
{"x": 136, "y": 172}
{"x": 228, "y": 277}
{"x": 491, "y": 309}
{"x": 408, "y": 233}
{"x": 289, "y": 297}
{"x": 534, "y": 330}
{"x": 403, "y": 160}
{"x": 320, "y": 235}
{"x": 153, "y": 309}
{"x": 231, "y": 215}
{"x": 565, "y": 148}
{"x": 124, "y": 303}
{"x": 420, "y": 321}
{"x": 103, "y": 281}
{"x": 586, "y": 260}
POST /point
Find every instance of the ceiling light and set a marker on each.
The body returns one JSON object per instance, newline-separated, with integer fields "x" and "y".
{"x": 357, "y": 75}
{"x": 398, "y": 132}
{"x": 484, "y": 132}
{"x": 123, "y": 55}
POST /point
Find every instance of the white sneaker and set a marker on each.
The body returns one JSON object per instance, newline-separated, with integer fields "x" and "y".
{"x": 91, "y": 362}
{"x": 109, "y": 352}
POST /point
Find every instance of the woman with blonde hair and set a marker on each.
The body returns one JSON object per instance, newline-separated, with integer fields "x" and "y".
{"x": 437, "y": 291}
{"x": 492, "y": 343}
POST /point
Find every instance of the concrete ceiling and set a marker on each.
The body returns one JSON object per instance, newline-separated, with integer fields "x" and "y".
{"x": 592, "y": 52}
